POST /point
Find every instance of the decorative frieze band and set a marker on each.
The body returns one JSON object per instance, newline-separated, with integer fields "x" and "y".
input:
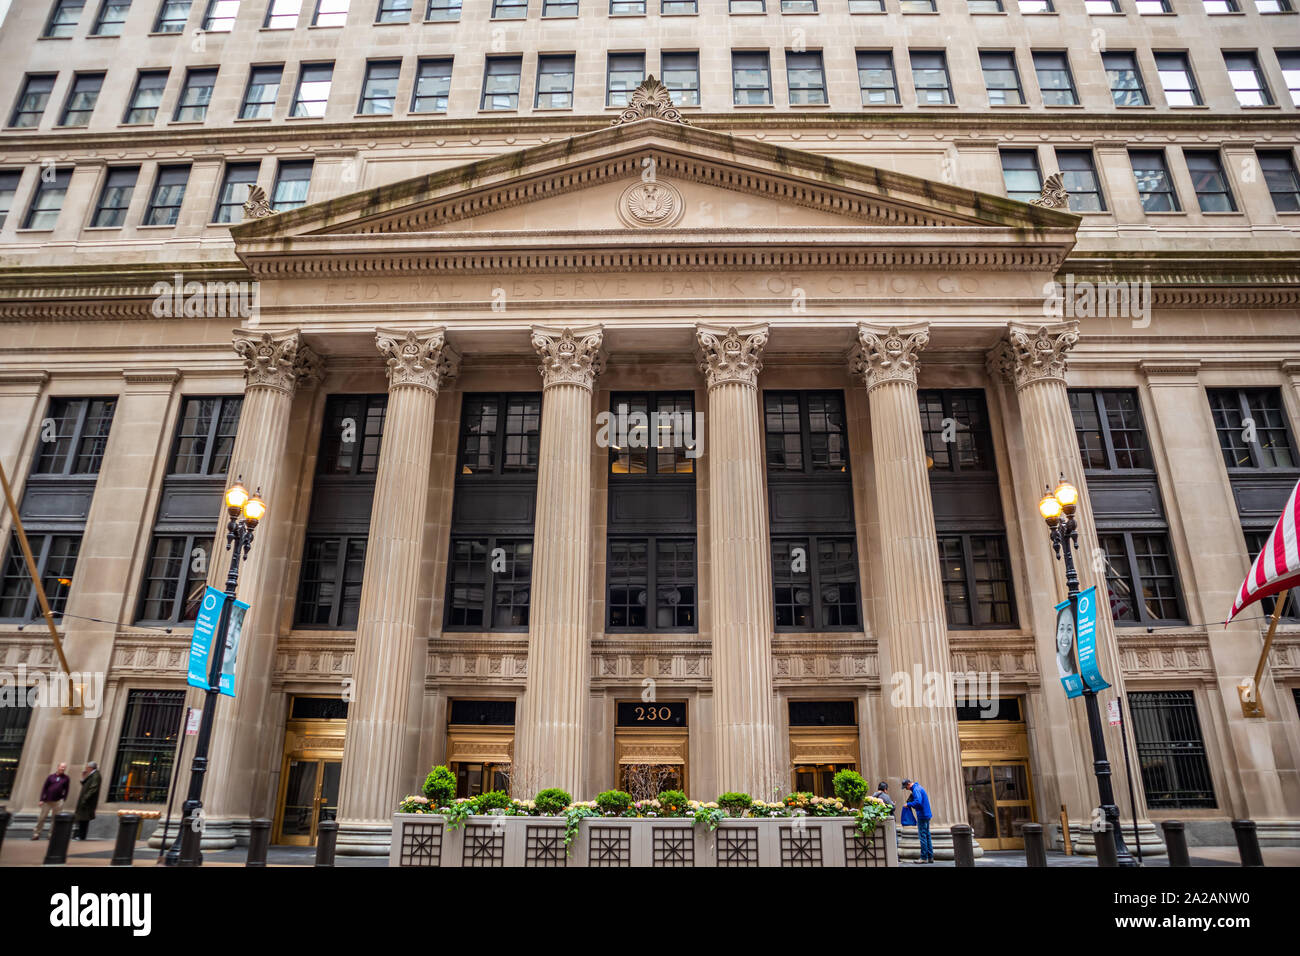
{"x": 277, "y": 360}
{"x": 420, "y": 359}
{"x": 888, "y": 354}
{"x": 569, "y": 356}
{"x": 732, "y": 354}
{"x": 1031, "y": 354}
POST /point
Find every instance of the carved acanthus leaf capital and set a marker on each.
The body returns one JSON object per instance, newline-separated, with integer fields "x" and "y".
{"x": 1033, "y": 353}
{"x": 569, "y": 356}
{"x": 731, "y": 354}
{"x": 421, "y": 358}
{"x": 888, "y": 354}
{"x": 277, "y": 360}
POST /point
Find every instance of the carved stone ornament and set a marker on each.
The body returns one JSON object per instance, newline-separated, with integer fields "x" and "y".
{"x": 569, "y": 356}
{"x": 277, "y": 360}
{"x": 731, "y": 355}
{"x": 651, "y": 203}
{"x": 650, "y": 100}
{"x": 885, "y": 355}
{"x": 257, "y": 206}
{"x": 418, "y": 358}
{"x": 1032, "y": 354}
{"x": 1054, "y": 195}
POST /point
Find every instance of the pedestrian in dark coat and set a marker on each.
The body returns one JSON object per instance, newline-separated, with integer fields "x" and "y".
{"x": 88, "y": 800}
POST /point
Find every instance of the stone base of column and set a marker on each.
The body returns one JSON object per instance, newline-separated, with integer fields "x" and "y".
{"x": 1082, "y": 840}
{"x": 217, "y": 834}
{"x": 1277, "y": 832}
{"x": 909, "y": 843}
{"x": 364, "y": 839}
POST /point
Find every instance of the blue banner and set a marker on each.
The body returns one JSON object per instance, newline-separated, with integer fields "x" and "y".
{"x": 205, "y": 626}
{"x": 1066, "y": 664}
{"x": 1087, "y": 636}
{"x": 233, "y": 635}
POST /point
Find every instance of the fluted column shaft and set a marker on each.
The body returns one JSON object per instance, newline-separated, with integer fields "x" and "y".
{"x": 551, "y": 743}
{"x": 389, "y": 659}
{"x": 740, "y": 566}
{"x": 915, "y": 624}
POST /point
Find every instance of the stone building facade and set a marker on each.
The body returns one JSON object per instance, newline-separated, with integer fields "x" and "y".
{"x": 414, "y": 274}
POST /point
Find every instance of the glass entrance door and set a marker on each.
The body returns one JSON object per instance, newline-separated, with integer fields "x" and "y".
{"x": 998, "y": 802}
{"x": 311, "y": 794}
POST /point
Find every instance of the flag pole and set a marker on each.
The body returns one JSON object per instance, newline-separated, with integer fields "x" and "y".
{"x": 1251, "y": 705}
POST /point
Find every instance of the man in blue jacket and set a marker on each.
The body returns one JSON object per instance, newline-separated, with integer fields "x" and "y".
{"x": 919, "y": 803}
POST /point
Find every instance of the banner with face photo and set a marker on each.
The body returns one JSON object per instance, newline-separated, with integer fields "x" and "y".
{"x": 233, "y": 635}
{"x": 1067, "y": 664}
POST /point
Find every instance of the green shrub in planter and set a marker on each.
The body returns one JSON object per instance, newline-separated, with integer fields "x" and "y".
{"x": 735, "y": 803}
{"x": 491, "y": 800}
{"x": 673, "y": 803}
{"x": 551, "y": 801}
{"x": 613, "y": 802}
{"x": 440, "y": 786}
{"x": 850, "y": 787}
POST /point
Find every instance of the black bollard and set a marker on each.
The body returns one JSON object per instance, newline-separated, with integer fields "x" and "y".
{"x": 259, "y": 835}
{"x": 5, "y": 817}
{"x": 191, "y": 837}
{"x": 56, "y": 854}
{"x": 1176, "y": 841}
{"x": 1247, "y": 842}
{"x": 327, "y": 834}
{"x": 128, "y": 828}
{"x": 963, "y": 852}
{"x": 1035, "y": 849}
{"x": 1104, "y": 839}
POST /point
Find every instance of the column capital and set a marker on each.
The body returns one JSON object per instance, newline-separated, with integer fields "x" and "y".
{"x": 731, "y": 354}
{"x": 888, "y": 353}
{"x": 569, "y": 356}
{"x": 277, "y": 360}
{"x": 418, "y": 357}
{"x": 1033, "y": 353}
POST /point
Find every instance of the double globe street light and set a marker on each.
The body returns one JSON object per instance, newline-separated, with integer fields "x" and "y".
{"x": 1057, "y": 508}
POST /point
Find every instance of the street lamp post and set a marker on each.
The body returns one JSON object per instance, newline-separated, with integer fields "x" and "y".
{"x": 244, "y": 512}
{"x": 1057, "y": 509}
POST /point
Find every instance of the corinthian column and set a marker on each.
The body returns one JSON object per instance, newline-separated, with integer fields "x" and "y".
{"x": 915, "y": 623}
{"x": 741, "y": 564}
{"x": 389, "y": 661}
{"x": 276, "y": 364}
{"x": 551, "y": 746}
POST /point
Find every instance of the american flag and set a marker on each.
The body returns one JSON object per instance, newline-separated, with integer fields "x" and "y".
{"x": 1278, "y": 566}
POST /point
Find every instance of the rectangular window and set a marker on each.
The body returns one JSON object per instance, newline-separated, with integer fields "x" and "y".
{"x": 1252, "y": 428}
{"x": 115, "y": 197}
{"x": 63, "y": 18}
{"x": 234, "y": 191}
{"x": 329, "y": 586}
{"x": 379, "y": 91}
{"x": 1108, "y": 427}
{"x": 82, "y": 97}
{"x": 984, "y": 6}
{"x": 555, "y": 82}
{"x": 1079, "y": 175}
{"x": 1148, "y": 7}
{"x": 642, "y": 570}
{"x": 14, "y": 721}
{"x": 175, "y": 578}
{"x": 76, "y": 445}
{"x": 805, "y": 78}
{"x": 1278, "y": 166}
{"x": 1255, "y": 542}
{"x": 501, "y": 83}
{"x": 1155, "y": 187}
{"x": 46, "y": 204}
{"x": 627, "y": 8}
{"x": 393, "y": 11}
{"x": 1273, "y": 6}
{"x": 815, "y": 581}
{"x": 976, "y": 580}
{"x": 930, "y": 76}
{"x": 146, "y": 750}
{"x": 112, "y": 17}
{"x": 625, "y": 72}
{"x": 876, "y": 78}
{"x": 500, "y": 434}
{"x": 261, "y": 93}
{"x": 172, "y": 16}
{"x": 205, "y": 435}
{"x": 806, "y": 432}
{"x": 488, "y": 582}
{"x": 9, "y": 180}
{"x": 196, "y": 94}
{"x": 1209, "y": 181}
{"x": 798, "y": 6}
{"x": 1035, "y": 6}
{"x": 1055, "y": 81}
{"x": 432, "y": 84}
{"x": 1289, "y": 62}
{"x": 1213, "y": 7}
{"x": 917, "y": 6}
{"x": 146, "y": 97}
{"x": 1171, "y": 750}
{"x": 559, "y": 8}
{"x": 168, "y": 194}
{"x": 331, "y": 13}
{"x": 56, "y": 561}
{"x": 1001, "y": 78}
{"x": 1175, "y": 72}
{"x": 292, "y": 180}
{"x": 220, "y": 17}
{"x": 955, "y": 426}
{"x": 751, "y": 79}
{"x": 313, "y": 91}
{"x": 662, "y": 421}
{"x": 1125, "y": 79}
{"x": 1247, "y": 79}
{"x": 282, "y": 14}
{"x": 866, "y": 6}
{"x": 1102, "y": 6}
{"x": 351, "y": 435}
{"x": 32, "y": 101}
{"x": 746, "y": 6}
{"x": 1140, "y": 578}
{"x": 509, "y": 9}
{"x": 681, "y": 74}
{"x": 680, "y": 7}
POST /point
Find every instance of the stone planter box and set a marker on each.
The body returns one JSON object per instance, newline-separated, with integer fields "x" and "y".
{"x": 423, "y": 839}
